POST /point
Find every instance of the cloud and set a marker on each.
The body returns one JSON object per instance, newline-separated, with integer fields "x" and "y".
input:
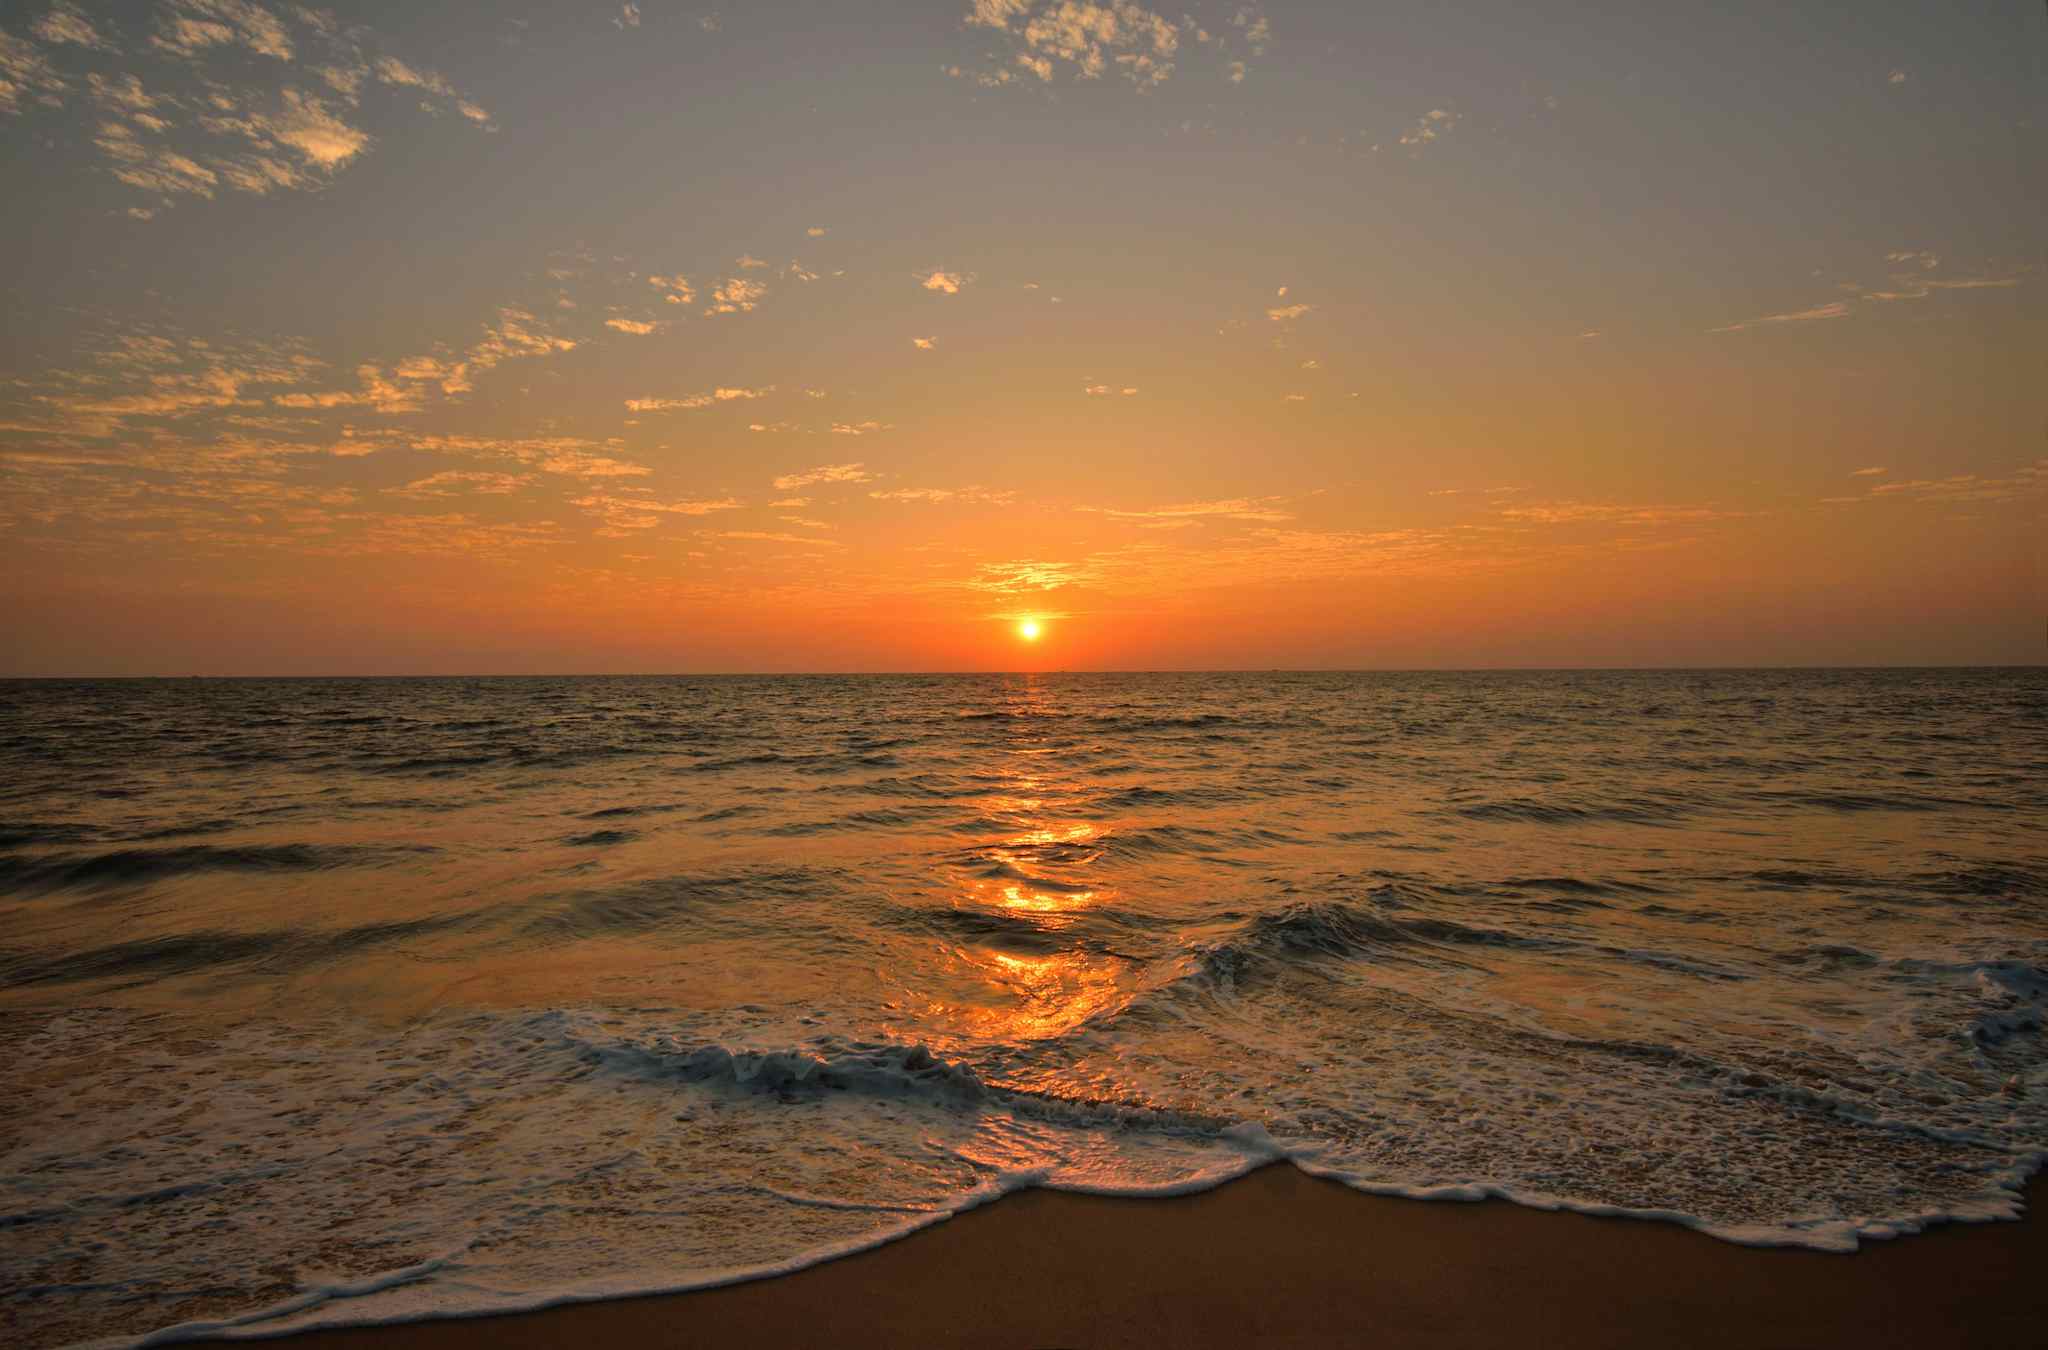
{"x": 1609, "y": 513}
{"x": 1435, "y": 123}
{"x": 144, "y": 375}
{"x": 737, "y": 295}
{"x": 153, "y": 168}
{"x": 1012, "y": 578}
{"x": 924, "y": 344}
{"x": 2026, "y": 482}
{"x": 64, "y": 24}
{"x": 692, "y": 402}
{"x": 456, "y": 482}
{"x": 1914, "y": 282}
{"x": 946, "y": 283}
{"x": 824, "y": 473}
{"x": 306, "y": 126}
{"x": 515, "y": 334}
{"x": 567, "y": 456}
{"x": 816, "y": 232}
{"x": 680, "y": 292}
{"x": 1231, "y": 508}
{"x": 633, "y": 326}
{"x": 211, "y": 118}
{"x": 1430, "y": 125}
{"x": 973, "y": 493}
{"x": 26, "y": 75}
{"x": 1920, "y": 287}
{"x": 1102, "y": 390}
{"x": 1285, "y": 313}
{"x": 189, "y": 27}
{"x": 1084, "y": 39}
{"x": 857, "y": 428}
{"x": 762, "y": 536}
{"x": 622, "y": 514}
{"x": 628, "y": 17}
{"x": 1834, "y": 309}
{"x": 1872, "y": 472}
{"x": 1896, "y": 77}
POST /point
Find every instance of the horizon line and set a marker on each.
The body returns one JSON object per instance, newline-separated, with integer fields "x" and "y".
{"x": 968, "y": 672}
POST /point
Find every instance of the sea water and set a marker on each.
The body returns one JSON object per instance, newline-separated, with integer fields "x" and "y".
{"x": 340, "y": 1000}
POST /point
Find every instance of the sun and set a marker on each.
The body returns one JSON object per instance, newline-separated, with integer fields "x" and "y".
{"x": 1028, "y": 629}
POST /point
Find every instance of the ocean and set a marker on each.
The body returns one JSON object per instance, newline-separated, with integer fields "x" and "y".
{"x": 342, "y": 1001}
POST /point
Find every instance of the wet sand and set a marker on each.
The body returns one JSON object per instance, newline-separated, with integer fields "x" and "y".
{"x": 1280, "y": 1258}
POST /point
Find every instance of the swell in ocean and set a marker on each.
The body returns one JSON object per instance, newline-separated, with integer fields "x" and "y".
{"x": 343, "y": 1001}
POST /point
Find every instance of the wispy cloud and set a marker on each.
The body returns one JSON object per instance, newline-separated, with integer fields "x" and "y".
{"x": 1024, "y": 575}
{"x": 637, "y": 327}
{"x": 767, "y": 537}
{"x": 2024, "y": 483}
{"x": 972, "y": 493}
{"x": 515, "y": 334}
{"x": 225, "y": 95}
{"x": 1230, "y": 508}
{"x": 568, "y": 456}
{"x": 1912, "y": 279}
{"x": 624, "y": 513}
{"x": 1431, "y": 126}
{"x": 736, "y": 295}
{"x": 1834, "y": 309}
{"x": 676, "y": 290}
{"x": 463, "y": 482}
{"x": 692, "y": 402}
{"x": 824, "y": 473}
{"x": 1085, "y": 40}
{"x": 946, "y": 283}
{"x": 66, "y": 23}
{"x": 1610, "y": 513}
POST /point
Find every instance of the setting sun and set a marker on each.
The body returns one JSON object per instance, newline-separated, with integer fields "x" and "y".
{"x": 512, "y": 742}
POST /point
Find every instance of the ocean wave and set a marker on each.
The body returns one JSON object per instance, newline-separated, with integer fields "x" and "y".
{"x": 139, "y": 866}
{"x": 873, "y": 1068}
{"x": 1556, "y": 812}
{"x": 696, "y": 899}
{"x": 1339, "y": 930}
{"x": 274, "y": 951}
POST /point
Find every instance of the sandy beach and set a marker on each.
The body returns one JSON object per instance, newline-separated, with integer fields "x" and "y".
{"x": 1281, "y": 1258}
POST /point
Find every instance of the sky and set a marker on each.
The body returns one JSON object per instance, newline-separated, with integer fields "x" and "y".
{"x": 852, "y": 335}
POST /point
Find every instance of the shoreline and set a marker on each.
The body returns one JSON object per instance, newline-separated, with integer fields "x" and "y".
{"x": 1279, "y": 1257}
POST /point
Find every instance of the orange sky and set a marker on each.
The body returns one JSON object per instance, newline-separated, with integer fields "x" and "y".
{"x": 1260, "y": 337}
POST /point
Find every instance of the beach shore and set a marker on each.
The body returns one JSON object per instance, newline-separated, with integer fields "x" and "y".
{"x": 1281, "y": 1258}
